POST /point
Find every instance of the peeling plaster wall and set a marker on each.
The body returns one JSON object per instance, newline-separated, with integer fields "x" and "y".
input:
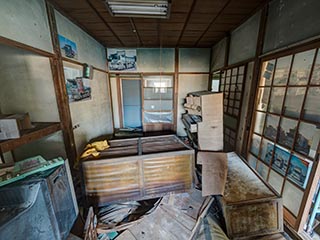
{"x": 26, "y": 22}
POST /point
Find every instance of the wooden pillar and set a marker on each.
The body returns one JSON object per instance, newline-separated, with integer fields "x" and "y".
{"x": 255, "y": 78}
{"x": 60, "y": 89}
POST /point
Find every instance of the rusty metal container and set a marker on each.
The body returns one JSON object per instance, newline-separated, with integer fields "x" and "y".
{"x": 250, "y": 206}
{"x": 138, "y": 168}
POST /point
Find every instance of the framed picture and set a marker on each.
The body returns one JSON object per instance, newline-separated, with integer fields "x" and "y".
{"x": 299, "y": 170}
{"x": 280, "y": 160}
{"x": 68, "y": 47}
{"x": 78, "y": 88}
{"x": 122, "y": 59}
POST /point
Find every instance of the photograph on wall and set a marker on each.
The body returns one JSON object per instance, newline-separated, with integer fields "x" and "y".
{"x": 122, "y": 60}
{"x": 299, "y": 171}
{"x": 294, "y": 101}
{"x": 280, "y": 160}
{"x": 78, "y": 88}
{"x": 68, "y": 47}
{"x": 276, "y": 99}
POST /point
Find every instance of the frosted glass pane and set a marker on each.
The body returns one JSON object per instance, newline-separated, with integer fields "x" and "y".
{"x": 259, "y": 122}
{"x": 267, "y": 73}
{"x": 262, "y": 169}
{"x": 308, "y": 139}
{"x": 315, "y": 79}
{"x": 282, "y": 70}
{"x": 263, "y": 98}
{"x": 292, "y": 197}
{"x": 276, "y": 181}
{"x": 301, "y": 67}
{"x": 287, "y": 132}
{"x": 158, "y": 105}
{"x": 276, "y": 99}
{"x": 153, "y": 94}
{"x": 294, "y": 100}
{"x": 255, "y": 144}
{"x": 311, "y": 107}
{"x": 271, "y": 126}
{"x": 252, "y": 161}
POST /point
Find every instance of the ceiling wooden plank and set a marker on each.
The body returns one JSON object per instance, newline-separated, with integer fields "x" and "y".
{"x": 107, "y": 25}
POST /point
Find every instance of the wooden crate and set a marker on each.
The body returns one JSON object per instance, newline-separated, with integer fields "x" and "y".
{"x": 139, "y": 168}
{"x": 250, "y": 206}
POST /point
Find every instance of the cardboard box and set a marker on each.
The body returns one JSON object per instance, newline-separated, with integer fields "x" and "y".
{"x": 11, "y": 125}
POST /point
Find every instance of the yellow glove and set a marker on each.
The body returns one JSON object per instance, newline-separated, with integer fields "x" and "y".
{"x": 90, "y": 151}
{"x": 99, "y": 145}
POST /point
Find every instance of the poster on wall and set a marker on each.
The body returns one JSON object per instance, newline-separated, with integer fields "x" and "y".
{"x": 78, "y": 88}
{"x": 122, "y": 60}
{"x": 299, "y": 171}
{"x": 68, "y": 47}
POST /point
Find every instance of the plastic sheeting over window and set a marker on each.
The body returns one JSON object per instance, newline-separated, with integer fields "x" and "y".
{"x": 158, "y": 117}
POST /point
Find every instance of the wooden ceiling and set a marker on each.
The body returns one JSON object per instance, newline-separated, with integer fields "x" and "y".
{"x": 192, "y": 23}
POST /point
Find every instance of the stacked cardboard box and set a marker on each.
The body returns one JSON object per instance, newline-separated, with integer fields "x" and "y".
{"x": 11, "y": 125}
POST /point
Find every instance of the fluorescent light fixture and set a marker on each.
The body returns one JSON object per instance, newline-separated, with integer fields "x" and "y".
{"x": 139, "y": 8}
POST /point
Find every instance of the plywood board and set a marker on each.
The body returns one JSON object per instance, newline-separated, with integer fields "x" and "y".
{"x": 214, "y": 172}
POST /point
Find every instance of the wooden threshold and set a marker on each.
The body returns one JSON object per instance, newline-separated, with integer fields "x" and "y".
{"x": 40, "y": 130}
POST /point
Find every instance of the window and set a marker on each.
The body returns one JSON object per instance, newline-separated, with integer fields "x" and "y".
{"x": 286, "y": 130}
{"x": 232, "y": 85}
{"x": 158, "y": 99}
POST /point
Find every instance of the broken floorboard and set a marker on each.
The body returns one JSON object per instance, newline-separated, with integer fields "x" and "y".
{"x": 178, "y": 217}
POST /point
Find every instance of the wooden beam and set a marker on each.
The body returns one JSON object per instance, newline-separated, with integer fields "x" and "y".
{"x": 212, "y": 21}
{"x": 60, "y": 88}
{"x": 135, "y": 30}
{"x": 13, "y": 43}
{"x": 186, "y": 21}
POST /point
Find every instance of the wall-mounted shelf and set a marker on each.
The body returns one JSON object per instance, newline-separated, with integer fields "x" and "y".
{"x": 40, "y": 130}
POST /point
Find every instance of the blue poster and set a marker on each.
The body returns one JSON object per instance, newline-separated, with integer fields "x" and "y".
{"x": 299, "y": 171}
{"x": 68, "y": 47}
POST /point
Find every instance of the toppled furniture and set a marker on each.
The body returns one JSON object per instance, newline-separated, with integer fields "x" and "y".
{"x": 138, "y": 168}
{"x": 251, "y": 208}
{"x": 204, "y": 120}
